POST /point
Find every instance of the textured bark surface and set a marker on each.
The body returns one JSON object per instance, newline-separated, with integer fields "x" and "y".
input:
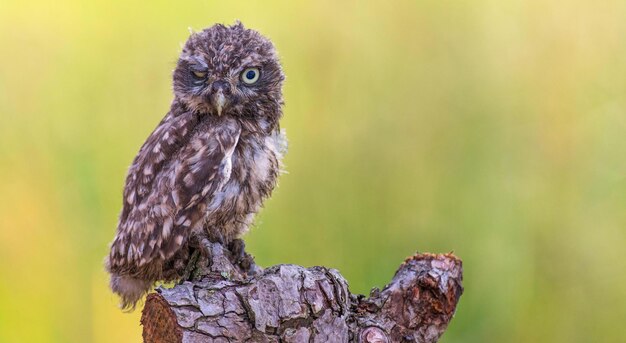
{"x": 290, "y": 303}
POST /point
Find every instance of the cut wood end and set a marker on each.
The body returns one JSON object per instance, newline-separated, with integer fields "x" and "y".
{"x": 159, "y": 321}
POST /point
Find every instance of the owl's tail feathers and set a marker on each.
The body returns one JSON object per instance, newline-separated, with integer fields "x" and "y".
{"x": 129, "y": 289}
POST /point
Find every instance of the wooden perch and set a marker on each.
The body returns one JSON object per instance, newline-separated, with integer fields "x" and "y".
{"x": 289, "y": 303}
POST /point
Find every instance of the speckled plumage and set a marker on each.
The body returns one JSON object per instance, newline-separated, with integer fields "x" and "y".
{"x": 206, "y": 168}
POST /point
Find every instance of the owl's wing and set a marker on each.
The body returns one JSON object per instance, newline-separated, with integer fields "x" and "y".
{"x": 155, "y": 153}
{"x": 156, "y": 221}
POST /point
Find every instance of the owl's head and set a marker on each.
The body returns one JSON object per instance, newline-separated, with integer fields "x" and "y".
{"x": 230, "y": 70}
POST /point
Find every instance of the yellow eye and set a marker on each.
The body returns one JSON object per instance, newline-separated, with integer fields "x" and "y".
{"x": 250, "y": 75}
{"x": 199, "y": 74}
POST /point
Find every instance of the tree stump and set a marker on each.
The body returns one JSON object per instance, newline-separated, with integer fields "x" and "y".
{"x": 240, "y": 302}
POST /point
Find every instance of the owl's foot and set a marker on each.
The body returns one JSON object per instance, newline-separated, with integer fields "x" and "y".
{"x": 217, "y": 237}
{"x": 206, "y": 258}
{"x": 238, "y": 249}
{"x": 214, "y": 259}
{"x": 241, "y": 258}
{"x": 217, "y": 258}
{"x": 188, "y": 273}
{"x": 211, "y": 250}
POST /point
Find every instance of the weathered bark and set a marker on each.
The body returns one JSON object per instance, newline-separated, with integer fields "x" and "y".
{"x": 289, "y": 303}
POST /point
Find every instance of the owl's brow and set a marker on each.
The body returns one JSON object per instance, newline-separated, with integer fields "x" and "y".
{"x": 251, "y": 60}
{"x": 195, "y": 62}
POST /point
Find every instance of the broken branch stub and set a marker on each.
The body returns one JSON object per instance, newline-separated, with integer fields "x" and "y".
{"x": 290, "y": 303}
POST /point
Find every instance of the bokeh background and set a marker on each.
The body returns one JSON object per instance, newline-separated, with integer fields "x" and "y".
{"x": 494, "y": 129}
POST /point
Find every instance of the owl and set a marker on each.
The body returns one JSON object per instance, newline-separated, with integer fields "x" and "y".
{"x": 209, "y": 164}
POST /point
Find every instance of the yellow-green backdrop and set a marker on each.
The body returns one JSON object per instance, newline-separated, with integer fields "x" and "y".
{"x": 494, "y": 129}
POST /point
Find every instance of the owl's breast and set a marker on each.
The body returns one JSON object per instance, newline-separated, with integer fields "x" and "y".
{"x": 255, "y": 166}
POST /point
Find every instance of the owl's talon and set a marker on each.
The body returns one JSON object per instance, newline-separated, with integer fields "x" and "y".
{"x": 238, "y": 250}
{"x": 207, "y": 248}
{"x": 218, "y": 237}
{"x": 191, "y": 267}
{"x": 240, "y": 257}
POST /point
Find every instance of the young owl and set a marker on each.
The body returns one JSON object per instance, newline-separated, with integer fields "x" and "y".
{"x": 209, "y": 164}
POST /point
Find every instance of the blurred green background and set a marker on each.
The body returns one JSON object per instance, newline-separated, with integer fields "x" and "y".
{"x": 494, "y": 129}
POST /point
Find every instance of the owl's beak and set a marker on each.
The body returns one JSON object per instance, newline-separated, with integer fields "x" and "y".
{"x": 220, "y": 89}
{"x": 220, "y": 101}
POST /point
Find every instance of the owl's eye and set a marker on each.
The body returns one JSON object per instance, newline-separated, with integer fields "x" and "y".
{"x": 250, "y": 75}
{"x": 200, "y": 75}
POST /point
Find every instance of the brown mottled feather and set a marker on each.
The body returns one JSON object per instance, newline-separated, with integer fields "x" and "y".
{"x": 159, "y": 220}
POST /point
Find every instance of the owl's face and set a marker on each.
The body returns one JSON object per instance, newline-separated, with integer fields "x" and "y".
{"x": 230, "y": 71}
